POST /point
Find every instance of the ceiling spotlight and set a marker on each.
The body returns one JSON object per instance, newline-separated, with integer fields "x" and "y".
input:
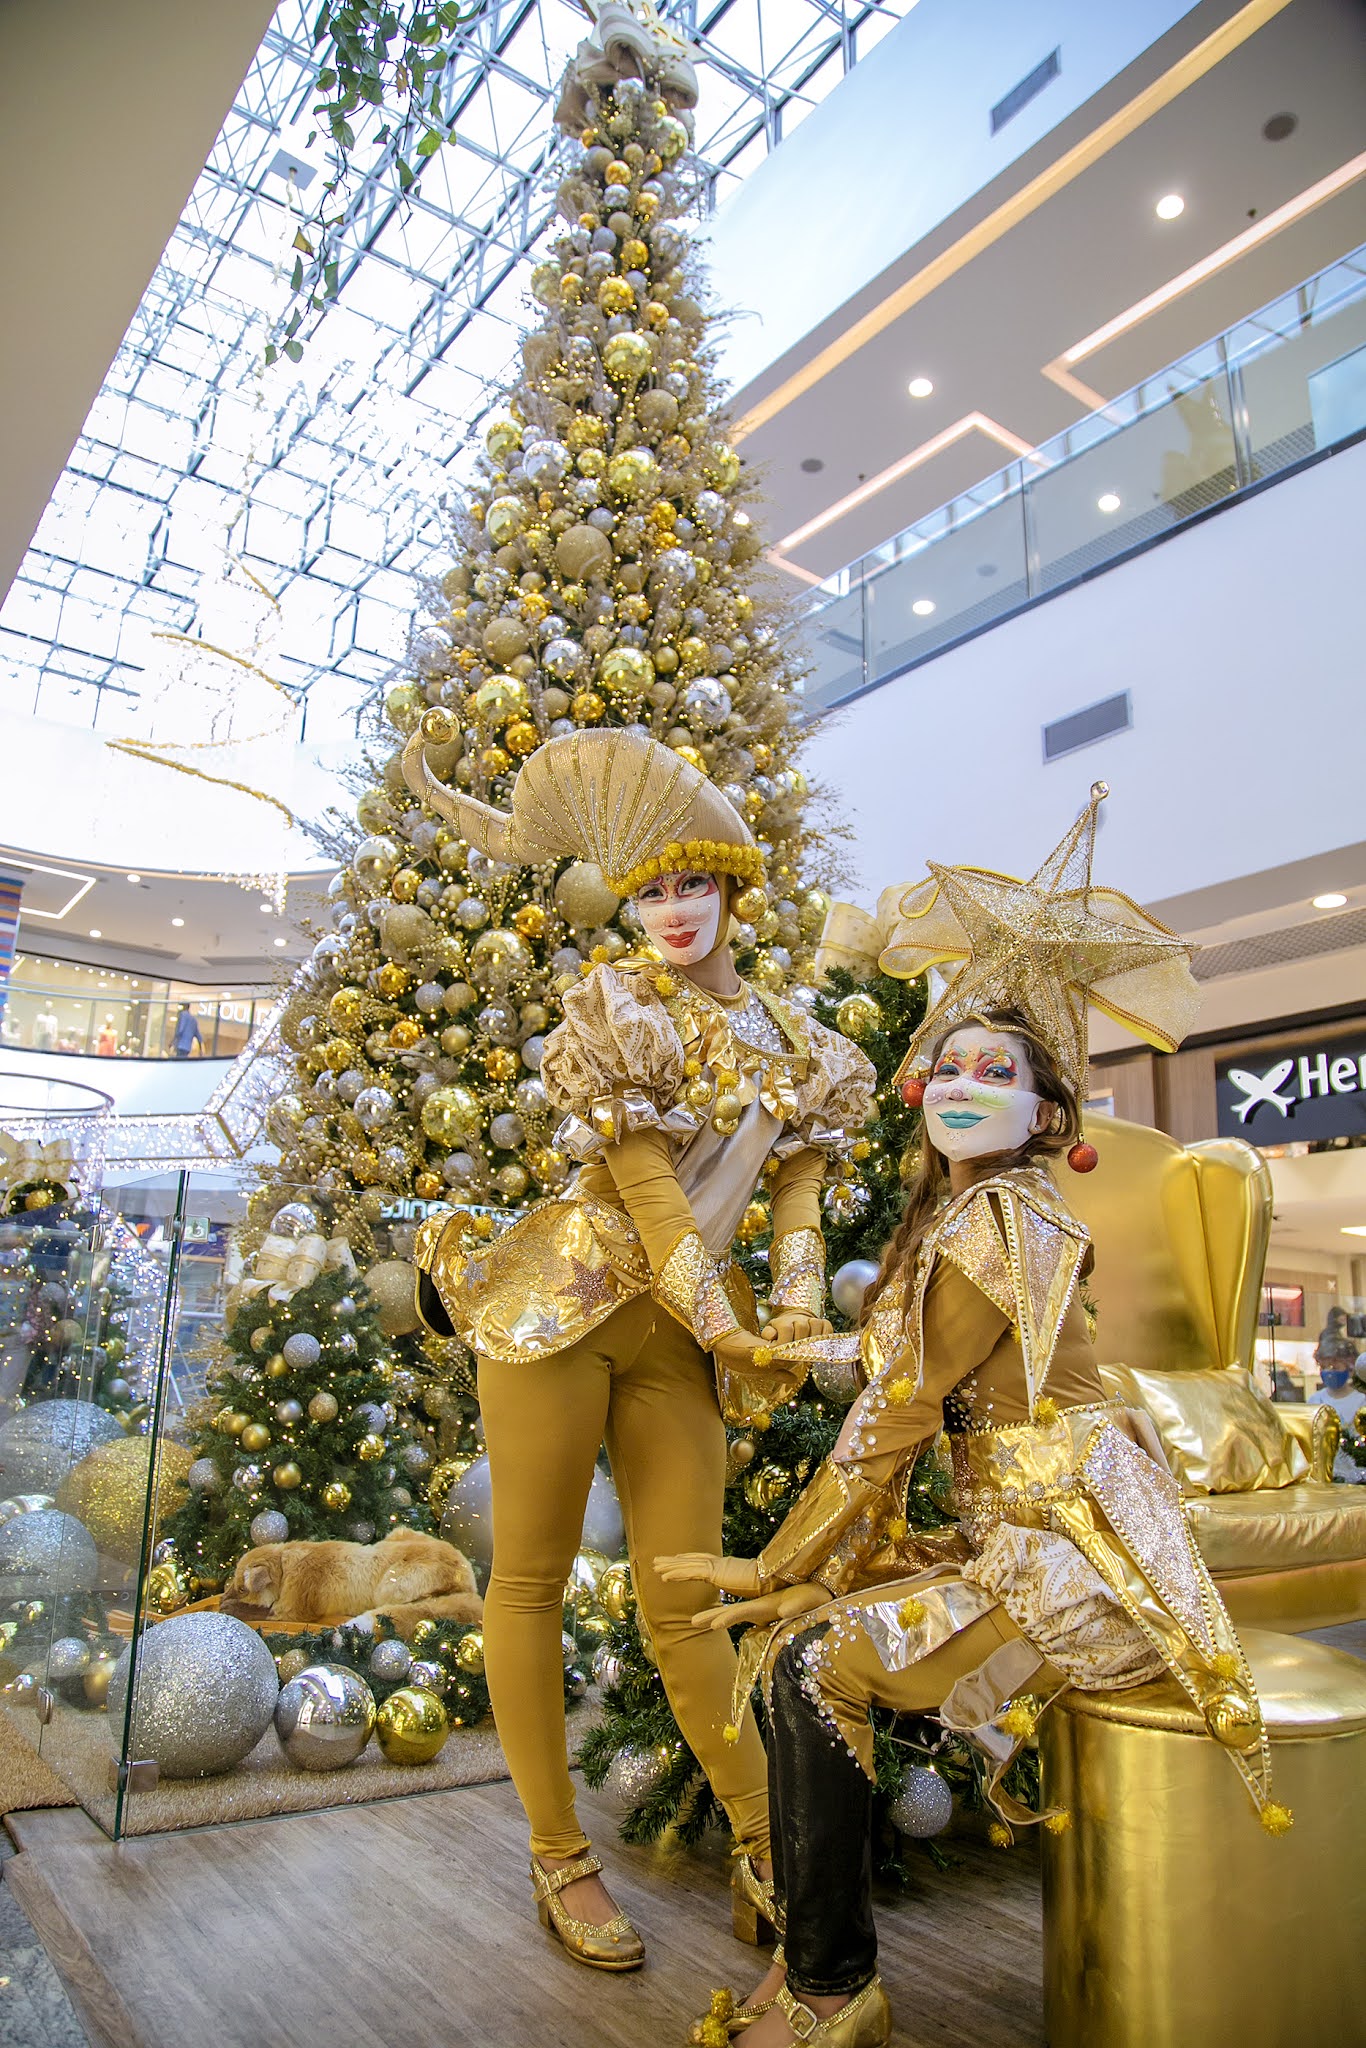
{"x": 1332, "y": 899}
{"x": 922, "y": 607}
{"x": 1107, "y": 502}
{"x": 99, "y": 935}
{"x": 1354, "y": 1229}
{"x": 920, "y": 387}
{"x": 268, "y": 908}
{"x": 135, "y": 878}
{"x": 1279, "y": 126}
{"x": 177, "y": 922}
{"x": 1170, "y": 207}
{"x": 279, "y": 942}
{"x": 812, "y": 464}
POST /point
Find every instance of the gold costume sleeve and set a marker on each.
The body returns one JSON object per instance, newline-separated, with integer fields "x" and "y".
{"x": 797, "y": 1259}
{"x": 685, "y": 1277}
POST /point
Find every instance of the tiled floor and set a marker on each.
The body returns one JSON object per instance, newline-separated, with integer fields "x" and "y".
{"x": 35, "y": 2012}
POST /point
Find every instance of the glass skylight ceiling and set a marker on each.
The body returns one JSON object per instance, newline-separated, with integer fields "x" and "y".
{"x": 328, "y": 479}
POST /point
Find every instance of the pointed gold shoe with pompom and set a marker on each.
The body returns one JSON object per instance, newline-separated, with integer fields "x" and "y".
{"x": 614, "y": 1945}
{"x": 724, "y": 2019}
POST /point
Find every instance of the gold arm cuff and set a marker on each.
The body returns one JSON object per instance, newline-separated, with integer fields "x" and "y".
{"x": 818, "y": 1525}
{"x": 797, "y": 1264}
{"x": 689, "y": 1287}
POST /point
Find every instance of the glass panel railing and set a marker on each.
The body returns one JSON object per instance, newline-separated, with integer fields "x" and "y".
{"x": 38, "y": 1018}
{"x": 1281, "y": 387}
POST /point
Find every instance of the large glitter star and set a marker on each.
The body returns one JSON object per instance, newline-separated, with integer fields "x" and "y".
{"x": 1047, "y": 946}
{"x": 590, "y": 1286}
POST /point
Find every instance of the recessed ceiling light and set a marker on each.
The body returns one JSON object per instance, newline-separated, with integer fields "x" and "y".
{"x": 920, "y": 387}
{"x": 1107, "y": 502}
{"x": 1354, "y": 1229}
{"x": 812, "y": 464}
{"x": 279, "y": 942}
{"x": 177, "y": 922}
{"x": 1279, "y": 126}
{"x": 135, "y": 878}
{"x": 1170, "y": 206}
{"x": 268, "y": 908}
{"x": 922, "y": 607}
{"x": 99, "y": 935}
{"x": 1332, "y": 899}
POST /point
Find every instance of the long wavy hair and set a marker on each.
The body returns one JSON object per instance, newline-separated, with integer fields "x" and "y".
{"x": 930, "y": 1182}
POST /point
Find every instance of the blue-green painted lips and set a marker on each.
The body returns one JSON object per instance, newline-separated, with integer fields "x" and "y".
{"x": 961, "y": 1119}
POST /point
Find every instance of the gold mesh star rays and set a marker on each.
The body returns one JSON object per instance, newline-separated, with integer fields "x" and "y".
{"x": 1047, "y": 946}
{"x": 617, "y": 798}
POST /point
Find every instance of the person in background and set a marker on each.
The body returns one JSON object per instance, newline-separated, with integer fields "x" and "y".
{"x": 187, "y": 1034}
{"x": 1335, "y": 1347}
{"x": 108, "y": 1042}
{"x": 45, "y": 1029}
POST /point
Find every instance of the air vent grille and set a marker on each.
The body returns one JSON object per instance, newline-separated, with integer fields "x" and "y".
{"x": 1083, "y": 728}
{"x": 1274, "y": 949}
{"x": 1028, "y": 88}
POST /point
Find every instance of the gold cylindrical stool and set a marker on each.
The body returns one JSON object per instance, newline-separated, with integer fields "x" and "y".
{"x": 1170, "y": 1916}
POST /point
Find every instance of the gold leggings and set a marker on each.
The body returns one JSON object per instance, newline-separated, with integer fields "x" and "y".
{"x": 641, "y": 1382}
{"x": 853, "y": 1678}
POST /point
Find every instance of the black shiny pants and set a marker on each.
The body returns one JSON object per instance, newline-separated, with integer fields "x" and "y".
{"x": 821, "y": 1812}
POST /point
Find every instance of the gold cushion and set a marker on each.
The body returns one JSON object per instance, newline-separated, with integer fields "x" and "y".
{"x": 1304, "y": 1688}
{"x": 1219, "y": 1433}
{"x": 1280, "y": 1527}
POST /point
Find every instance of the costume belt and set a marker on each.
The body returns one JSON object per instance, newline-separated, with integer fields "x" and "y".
{"x": 1015, "y": 1473}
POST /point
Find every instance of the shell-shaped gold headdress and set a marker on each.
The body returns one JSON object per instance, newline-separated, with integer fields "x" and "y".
{"x": 1048, "y": 947}
{"x": 606, "y": 795}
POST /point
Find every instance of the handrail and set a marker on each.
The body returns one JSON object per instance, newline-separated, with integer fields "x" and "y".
{"x": 1281, "y": 388}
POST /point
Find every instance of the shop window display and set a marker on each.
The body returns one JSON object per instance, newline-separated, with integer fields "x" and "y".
{"x": 70, "y": 1007}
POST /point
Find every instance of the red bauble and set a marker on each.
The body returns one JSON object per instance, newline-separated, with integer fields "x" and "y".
{"x": 913, "y": 1091}
{"x": 1083, "y": 1158}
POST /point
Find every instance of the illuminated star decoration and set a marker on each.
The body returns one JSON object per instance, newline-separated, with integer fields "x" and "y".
{"x": 1048, "y": 947}
{"x": 590, "y": 1287}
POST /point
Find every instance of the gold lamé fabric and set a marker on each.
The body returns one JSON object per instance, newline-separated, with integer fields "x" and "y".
{"x": 1305, "y": 1524}
{"x": 1219, "y": 1433}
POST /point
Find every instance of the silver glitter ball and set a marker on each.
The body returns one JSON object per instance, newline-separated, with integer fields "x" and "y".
{"x": 603, "y": 1529}
{"x": 24, "y": 1504}
{"x": 46, "y": 1553}
{"x": 204, "y": 1694}
{"x": 390, "y": 1660}
{"x": 204, "y": 1477}
{"x": 324, "y": 1717}
{"x": 634, "y": 1774}
{"x": 301, "y": 1351}
{"x": 270, "y": 1526}
{"x": 68, "y": 1658}
{"x": 374, "y": 1108}
{"x": 608, "y": 1668}
{"x": 923, "y": 1806}
{"x": 41, "y": 1444}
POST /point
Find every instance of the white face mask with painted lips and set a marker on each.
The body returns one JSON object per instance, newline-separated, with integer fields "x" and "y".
{"x": 682, "y": 916}
{"x": 978, "y": 1102}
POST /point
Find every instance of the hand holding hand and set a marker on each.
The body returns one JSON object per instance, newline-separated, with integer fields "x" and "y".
{"x": 792, "y": 1326}
{"x": 735, "y": 1350}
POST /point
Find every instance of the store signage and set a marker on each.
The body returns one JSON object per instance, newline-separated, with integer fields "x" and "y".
{"x": 1305, "y": 1093}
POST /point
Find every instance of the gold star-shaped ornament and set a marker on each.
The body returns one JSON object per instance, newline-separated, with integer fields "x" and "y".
{"x": 1047, "y": 947}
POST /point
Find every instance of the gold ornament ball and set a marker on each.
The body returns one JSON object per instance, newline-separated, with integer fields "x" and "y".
{"x": 438, "y": 728}
{"x": 502, "y": 1064}
{"x": 450, "y": 1114}
{"x": 628, "y": 357}
{"x": 634, "y": 254}
{"x": 671, "y": 138}
{"x": 766, "y": 1487}
{"x": 404, "y": 885}
{"x": 411, "y": 1727}
{"x": 504, "y": 520}
{"x": 521, "y": 737}
{"x": 1232, "y": 1718}
{"x": 495, "y": 761}
{"x": 698, "y": 1093}
{"x": 721, "y": 466}
{"x": 336, "y": 1496}
{"x": 370, "y": 1448}
{"x": 108, "y": 1491}
{"x": 616, "y": 1596}
{"x": 428, "y": 1187}
{"x": 767, "y": 974}
{"x": 615, "y": 296}
{"x": 290, "y": 1663}
{"x": 858, "y": 1014}
{"x": 632, "y": 472}
{"x": 323, "y": 1407}
{"x": 581, "y": 551}
{"x": 287, "y": 1476}
{"x": 338, "y": 1054}
{"x": 497, "y": 957}
{"x": 505, "y": 639}
{"x": 469, "y": 1653}
{"x": 499, "y": 699}
{"x": 455, "y": 1039}
{"x": 404, "y": 705}
{"x": 95, "y": 1679}
{"x": 750, "y": 904}
{"x": 692, "y": 651}
{"x": 587, "y": 707}
{"x": 530, "y": 920}
{"x": 255, "y": 1437}
{"x": 167, "y": 1588}
{"x": 628, "y": 669}
{"x": 753, "y": 1223}
{"x": 276, "y": 1368}
{"x": 424, "y": 1637}
{"x": 585, "y": 430}
{"x": 347, "y": 1007}
{"x": 404, "y": 1033}
{"x": 393, "y": 1288}
{"x": 501, "y": 437}
{"x": 442, "y": 1479}
{"x": 549, "y": 1168}
{"x": 391, "y": 979}
{"x": 583, "y": 897}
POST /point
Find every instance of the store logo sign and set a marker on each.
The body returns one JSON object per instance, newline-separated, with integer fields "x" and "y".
{"x": 1318, "y": 1093}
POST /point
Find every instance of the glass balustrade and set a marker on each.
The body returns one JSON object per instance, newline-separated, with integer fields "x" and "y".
{"x": 1285, "y": 385}
{"x": 117, "y": 1016}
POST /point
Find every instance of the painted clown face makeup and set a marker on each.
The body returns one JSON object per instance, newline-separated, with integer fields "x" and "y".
{"x": 682, "y": 916}
{"x": 979, "y": 1101}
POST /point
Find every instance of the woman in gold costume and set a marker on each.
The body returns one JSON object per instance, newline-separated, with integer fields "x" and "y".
{"x": 1072, "y": 1563}
{"x": 613, "y": 1310}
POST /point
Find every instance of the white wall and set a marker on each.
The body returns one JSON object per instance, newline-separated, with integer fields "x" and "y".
{"x": 1241, "y": 644}
{"x": 864, "y": 198}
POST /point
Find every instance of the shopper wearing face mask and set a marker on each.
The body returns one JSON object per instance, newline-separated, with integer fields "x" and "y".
{"x": 613, "y": 1311}
{"x": 1071, "y": 1528}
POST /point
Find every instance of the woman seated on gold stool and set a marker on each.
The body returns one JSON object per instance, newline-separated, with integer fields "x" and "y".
{"x": 608, "y": 1311}
{"x": 1076, "y": 1565}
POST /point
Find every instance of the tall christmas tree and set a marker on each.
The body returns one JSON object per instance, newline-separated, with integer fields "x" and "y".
{"x": 608, "y": 572}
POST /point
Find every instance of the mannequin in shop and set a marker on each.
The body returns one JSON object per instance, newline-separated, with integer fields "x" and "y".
{"x": 613, "y": 1311}
{"x": 45, "y": 1029}
{"x": 1072, "y": 1525}
{"x": 188, "y": 1041}
{"x": 108, "y": 1042}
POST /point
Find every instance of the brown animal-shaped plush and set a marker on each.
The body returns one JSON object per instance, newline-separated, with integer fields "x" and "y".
{"x": 407, "y": 1577}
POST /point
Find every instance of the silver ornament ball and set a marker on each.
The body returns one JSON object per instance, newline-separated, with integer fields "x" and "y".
{"x": 270, "y": 1526}
{"x": 923, "y": 1806}
{"x": 301, "y": 1351}
{"x": 633, "y": 1775}
{"x": 324, "y": 1717}
{"x": 44, "y": 1554}
{"x": 850, "y": 1283}
{"x": 391, "y": 1660}
{"x": 205, "y": 1693}
{"x": 40, "y": 1445}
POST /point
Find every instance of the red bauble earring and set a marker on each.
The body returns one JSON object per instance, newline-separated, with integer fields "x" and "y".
{"x": 913, "y": 1091}
{"x": 1083, "y": 1158}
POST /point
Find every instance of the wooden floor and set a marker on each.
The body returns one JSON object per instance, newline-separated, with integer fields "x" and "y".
{"x": 408, "y": 1924}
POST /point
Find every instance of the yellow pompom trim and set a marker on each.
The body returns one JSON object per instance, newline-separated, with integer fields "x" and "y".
{"x": 730, "y": 1733}
{"x": 713, "y": 2032}
{"x": 896, "y": 1526}
{"x": 1019, "y": 1721}
{"x": 1277, "y": 1819}
{"x": 694, "y": 856}
{"x": 999, "y": 1835}
{"x": 722, "y": 2005}
{"x": 1058, "y": 1823}
{"x": 1226, "y": 1664}
{"x": 900, "y": 1391}
{"x": 911, "y": 1612}
{"x": 763, "y": 1355}
{"x": 665, "y": 985}
{"x": 1045, "y": 1410}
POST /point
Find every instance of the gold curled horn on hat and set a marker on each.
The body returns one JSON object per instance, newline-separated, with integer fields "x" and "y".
{"x": 606, "y": 795}
{"x": 1048, "y": 947}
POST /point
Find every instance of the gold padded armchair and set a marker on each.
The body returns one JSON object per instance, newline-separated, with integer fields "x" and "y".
{"x": 1180, "y": 1235}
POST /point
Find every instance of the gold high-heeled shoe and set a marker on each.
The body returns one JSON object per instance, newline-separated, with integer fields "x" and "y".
{"x": 615, "y": 1945}
{"x": 754, "y": 1915}
{"x": 725, "y": 2019}
{"x": 866, "y": 2022}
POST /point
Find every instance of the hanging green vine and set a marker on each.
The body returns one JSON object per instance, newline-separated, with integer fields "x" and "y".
{"x": 369, "y": 55}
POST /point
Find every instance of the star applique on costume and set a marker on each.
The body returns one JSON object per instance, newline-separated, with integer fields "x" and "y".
{"x": 591, "y": 1286}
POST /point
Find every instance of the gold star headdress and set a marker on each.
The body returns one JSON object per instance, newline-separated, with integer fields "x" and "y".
{"x": 1048, "y": 947}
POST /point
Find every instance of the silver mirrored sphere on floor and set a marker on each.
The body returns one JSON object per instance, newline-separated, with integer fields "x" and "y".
{"x": 324, "y": 1717}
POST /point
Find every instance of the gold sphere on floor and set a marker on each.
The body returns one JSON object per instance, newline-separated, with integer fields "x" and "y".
{"x": 411, "y": 1727}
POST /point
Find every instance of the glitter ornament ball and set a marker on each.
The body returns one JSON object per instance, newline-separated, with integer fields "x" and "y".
{"x": 634, "y": 1774}
{"x": 411, "y": 1727}
{"x": 324, "y": 1717}
{"x": 923, "y": 1806}
{"x": 468, "y": 1518}
{"x": 108, "y": 1491}
{"x": 46, "y": 1554}
{"x": 301, "y": 1351}
{"x": 270, "y": 1526}
{"x": 205, "y": 1692}
{"x": 390, "y": 1661}
{"x": 39, "y": 1445}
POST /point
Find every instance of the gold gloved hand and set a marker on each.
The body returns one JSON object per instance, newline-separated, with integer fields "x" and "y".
{"x": 792, "y": 1326}
{"x": 729, "y": 1574}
